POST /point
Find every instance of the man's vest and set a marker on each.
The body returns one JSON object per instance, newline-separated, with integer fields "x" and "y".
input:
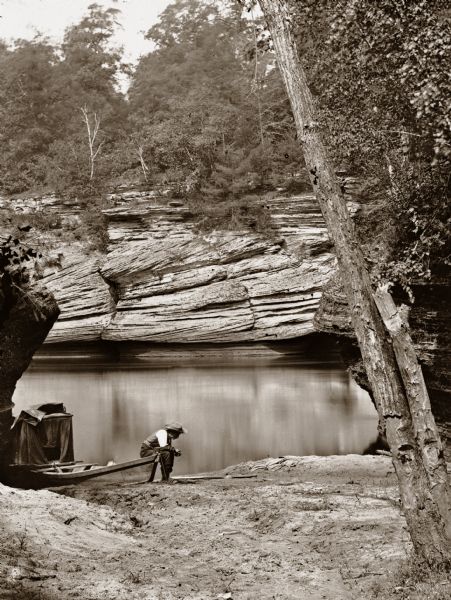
{"x": 152, "y": 441}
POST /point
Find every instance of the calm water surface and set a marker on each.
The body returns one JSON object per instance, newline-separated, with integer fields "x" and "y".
{"x": 232, "y": 414}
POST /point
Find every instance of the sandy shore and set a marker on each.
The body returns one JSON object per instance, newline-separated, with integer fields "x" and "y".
{"x": 310, "y": 528}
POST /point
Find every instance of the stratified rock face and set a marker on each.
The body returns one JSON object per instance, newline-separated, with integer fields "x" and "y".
{"x": 430, "y": 324}
{"x": 84, "y": 299}
{"x": 161, "y": 281}
{"x": 232, "y": 288}
{"x": 49, "y": 203}
{"x": 429, "y": 321}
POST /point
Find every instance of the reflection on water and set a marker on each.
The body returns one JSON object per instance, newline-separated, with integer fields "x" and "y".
{"x": 232, "y": 414}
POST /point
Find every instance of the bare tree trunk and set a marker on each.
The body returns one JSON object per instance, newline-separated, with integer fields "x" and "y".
{"x": 428, "y": 525}
{"x": 256, "y": 85}
{"x": 92, "y": 132}
{"x": 144, "y": 167}
{"x": 424, "y": 427}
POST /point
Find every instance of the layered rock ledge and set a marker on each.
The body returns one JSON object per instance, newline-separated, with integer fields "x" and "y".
{"x": 162, "y": 281}
{"x": 430, "y": 324}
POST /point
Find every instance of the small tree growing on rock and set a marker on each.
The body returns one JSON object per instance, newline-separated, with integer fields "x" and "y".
{"x": 93, "y": 132}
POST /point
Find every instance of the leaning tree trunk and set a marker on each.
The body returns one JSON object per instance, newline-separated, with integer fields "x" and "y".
{"x": 26, "y": 317}
{"x": 428, "y": 522}
{"x": 424, "y": 427}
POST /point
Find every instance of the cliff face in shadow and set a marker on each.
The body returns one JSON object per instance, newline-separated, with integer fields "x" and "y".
{"x": 430, "y": 324}
{"x": 26, "y": 316}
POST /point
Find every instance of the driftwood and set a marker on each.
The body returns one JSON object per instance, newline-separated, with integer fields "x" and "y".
{"x": 207, "y": 477}
{"x": 383, "y": 452}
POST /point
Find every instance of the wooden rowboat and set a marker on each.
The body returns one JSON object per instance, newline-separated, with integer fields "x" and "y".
{"x": 58, "y": 474}
{"x": 43, "y": 452}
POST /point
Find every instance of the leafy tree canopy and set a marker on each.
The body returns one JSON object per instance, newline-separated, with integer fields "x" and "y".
{"x": 380, "y": 73}
{"x": 207, "y": 112}
{"x": 27, "y": 92}
{"x": 211, "y": 94}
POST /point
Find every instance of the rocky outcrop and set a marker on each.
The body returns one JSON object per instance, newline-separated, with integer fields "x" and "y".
{"x": 217, "y": 290}
{"x": 162, "y": 281}
{"x": 85, "y": 301}
{"x": 26, "y": 315}
{"x": 430, "y": 324}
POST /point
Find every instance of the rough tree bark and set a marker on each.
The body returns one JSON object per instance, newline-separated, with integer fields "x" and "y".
{"x": 423, "y": 422}
{"x": 428, "y": 522}
{"x": 26, "y": 317}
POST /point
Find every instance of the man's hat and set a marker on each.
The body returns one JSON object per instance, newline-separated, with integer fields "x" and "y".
{"x": 176, "y": 427}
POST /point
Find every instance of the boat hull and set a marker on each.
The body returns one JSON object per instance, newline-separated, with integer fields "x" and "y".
{"x": 61, "y": 474}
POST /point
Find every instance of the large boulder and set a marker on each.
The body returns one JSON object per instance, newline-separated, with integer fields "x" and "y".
{"x": 26, "y": 315}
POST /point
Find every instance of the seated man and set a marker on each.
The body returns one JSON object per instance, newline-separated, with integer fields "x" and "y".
{"x": 161, "y": 440}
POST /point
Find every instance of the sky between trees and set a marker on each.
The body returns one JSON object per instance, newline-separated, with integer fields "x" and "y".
{"x": 24, "y": 18}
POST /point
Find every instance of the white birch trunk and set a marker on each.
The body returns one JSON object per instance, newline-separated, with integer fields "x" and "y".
{"x": 92, "y": 135}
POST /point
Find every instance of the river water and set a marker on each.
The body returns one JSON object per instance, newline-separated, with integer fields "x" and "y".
{"x": 232, "y": 413}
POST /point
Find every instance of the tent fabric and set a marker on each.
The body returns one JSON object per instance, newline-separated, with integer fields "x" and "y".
{"x": 46, "y": 440}
{"x": 27, "y": 445}
{"x": 35, "y": 413}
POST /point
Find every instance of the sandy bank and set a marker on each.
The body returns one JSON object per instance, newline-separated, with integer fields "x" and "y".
{"x": 304, "y": 528}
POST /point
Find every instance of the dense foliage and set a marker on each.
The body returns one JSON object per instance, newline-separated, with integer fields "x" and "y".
{"x": 205, "y": 99}
{"x": 43, "y": 91}
{"x": 381, "y": 74}
{"x": 207, "y": 113}
{"x": 19, "y": 266}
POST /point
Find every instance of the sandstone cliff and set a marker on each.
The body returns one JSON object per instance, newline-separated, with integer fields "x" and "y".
{"x": 430, "y": 324}
{"x": 163, "y": 281}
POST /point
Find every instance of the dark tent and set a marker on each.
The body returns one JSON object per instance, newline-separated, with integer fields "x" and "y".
{"x": 43, "y": 434}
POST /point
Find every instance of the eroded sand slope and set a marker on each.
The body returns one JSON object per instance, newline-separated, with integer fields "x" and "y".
{"x": 312, "y": 528}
